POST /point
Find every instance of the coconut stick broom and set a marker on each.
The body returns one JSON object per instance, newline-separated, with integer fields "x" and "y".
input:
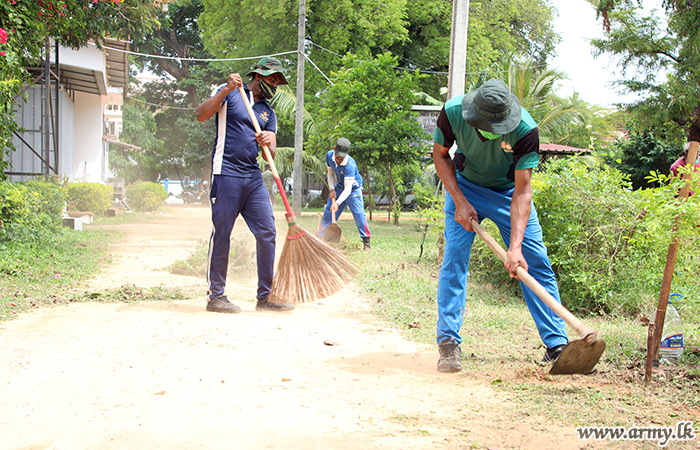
{"x": 308, "y": 269}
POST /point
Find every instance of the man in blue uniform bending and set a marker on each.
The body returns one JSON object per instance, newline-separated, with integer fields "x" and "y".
{"x": 237, "y": 186}
{"x": 489, "y": 177}
{"x": 345, "y": 183}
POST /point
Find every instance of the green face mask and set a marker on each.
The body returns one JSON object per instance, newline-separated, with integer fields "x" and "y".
{"x": 489, "y": 136}
{"x": 267, "y": 90}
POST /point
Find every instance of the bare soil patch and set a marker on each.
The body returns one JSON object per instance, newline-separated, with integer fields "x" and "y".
{"x": 169, "y": 375}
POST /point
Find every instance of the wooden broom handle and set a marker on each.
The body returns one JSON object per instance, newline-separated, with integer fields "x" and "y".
{"x": 266, "y": 152}
{"x": 333, "y": 218}
{"x": 536, "y": 287}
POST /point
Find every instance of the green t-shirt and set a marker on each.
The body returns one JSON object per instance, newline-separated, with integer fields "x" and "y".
{"x": 491, "y": 163}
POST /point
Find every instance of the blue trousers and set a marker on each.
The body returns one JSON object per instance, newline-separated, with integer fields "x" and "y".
{"x": 231, "y": 196}
{"x": 356, "y": 205}
{"x": 452, "y": 284}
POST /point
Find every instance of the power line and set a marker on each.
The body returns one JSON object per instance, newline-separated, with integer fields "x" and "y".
{"x": 162, "y": 106}
{"x": 177, "y": 58}
{"x": 320, "y": 71}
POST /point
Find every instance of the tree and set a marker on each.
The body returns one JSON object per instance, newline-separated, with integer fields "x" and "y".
{"x": 568, "y": 121}
{"x": 370, "y": 104}
{"x": 139, "y": 165}
{"x": 26, "y": 27}
{"x": 648, "y": 48}
{"x": 186, "y": 77}
{"x": 519, "y": 27}
{"x": 333, "y": 27}
{"x": 417, "y": 32}
{"x": 641, "y": 154}
{"x": 178, "y": 52}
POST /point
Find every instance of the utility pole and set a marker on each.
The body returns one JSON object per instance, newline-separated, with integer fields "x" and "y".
{"x": 458, "y": 48}
{"x": 458, "y": 69}
{"x": 299, "y": 121}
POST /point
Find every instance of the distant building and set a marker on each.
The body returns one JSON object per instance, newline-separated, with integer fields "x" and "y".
{"x": 72, "y": 113}
{"x": 549, "y": 151}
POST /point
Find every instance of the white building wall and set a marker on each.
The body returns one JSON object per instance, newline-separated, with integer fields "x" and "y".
{"x": 67, "y": 136}
{"x": 88, "y": 148}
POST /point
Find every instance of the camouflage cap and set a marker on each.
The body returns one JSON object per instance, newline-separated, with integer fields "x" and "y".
{"x": 267, "y": 66}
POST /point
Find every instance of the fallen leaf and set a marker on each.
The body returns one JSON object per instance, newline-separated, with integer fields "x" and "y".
{"x": 330, "y": 343}
{"x": 286, "y": 379}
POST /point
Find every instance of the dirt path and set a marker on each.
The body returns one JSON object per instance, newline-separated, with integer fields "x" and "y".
{"x": 172, "y": 376}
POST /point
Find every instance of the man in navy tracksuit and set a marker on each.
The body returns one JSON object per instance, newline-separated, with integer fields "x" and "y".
{"x": 345, "y": 184}
{"x": 237, "y": 185}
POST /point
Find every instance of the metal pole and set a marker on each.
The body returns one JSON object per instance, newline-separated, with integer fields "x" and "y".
{"x": 56, "y": 131}
{"x": 299, "y": 123}
{"x": 47, "y": 107}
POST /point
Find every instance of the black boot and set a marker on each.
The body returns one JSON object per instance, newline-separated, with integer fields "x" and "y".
{"x": 366, "y": 242}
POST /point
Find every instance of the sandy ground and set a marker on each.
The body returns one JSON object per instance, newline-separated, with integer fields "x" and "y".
{"x": 169, "y": 375}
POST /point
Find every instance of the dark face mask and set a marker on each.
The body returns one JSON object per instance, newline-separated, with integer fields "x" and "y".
{"x": 267, "y": 90}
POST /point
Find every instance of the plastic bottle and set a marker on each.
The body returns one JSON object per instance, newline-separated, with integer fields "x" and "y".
{"x": 672, "y": 335}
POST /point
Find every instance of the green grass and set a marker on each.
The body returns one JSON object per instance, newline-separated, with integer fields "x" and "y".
{"x": 501, "y": 346}
{"x": 53, "y": 268}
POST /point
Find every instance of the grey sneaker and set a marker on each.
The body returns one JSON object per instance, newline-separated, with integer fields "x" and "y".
{"x": 222, "y": 305}
{"x": 553, "y": 353}
{"x": 450, "y": 356}
{"x": 264, "y": 305}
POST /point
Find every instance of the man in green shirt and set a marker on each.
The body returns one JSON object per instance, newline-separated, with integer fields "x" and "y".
{"x": 497, "y": 145}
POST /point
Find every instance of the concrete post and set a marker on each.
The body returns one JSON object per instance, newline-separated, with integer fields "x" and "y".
{"x": 458, "y": 48}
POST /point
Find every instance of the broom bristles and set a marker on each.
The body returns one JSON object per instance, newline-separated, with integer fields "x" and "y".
{"x": 309, "y": 269}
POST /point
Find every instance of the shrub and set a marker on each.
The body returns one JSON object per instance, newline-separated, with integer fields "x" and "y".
{"x": 14, "y": 208}
{"x": 607, "y": 243}
{"x": 317, "y": 202}
{"x": 146, "y": 196}
{"x": 29, "y": 209}
{"x": 588, "y": 216}
{"x": 95, "y": 197}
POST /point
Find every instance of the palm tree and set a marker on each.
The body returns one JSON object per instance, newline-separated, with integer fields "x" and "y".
{"x": 285, "y": 105}
{"x": 535, "y": 91}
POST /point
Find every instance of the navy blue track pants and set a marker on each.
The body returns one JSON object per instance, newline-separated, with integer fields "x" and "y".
{"x": 231, "y": 196}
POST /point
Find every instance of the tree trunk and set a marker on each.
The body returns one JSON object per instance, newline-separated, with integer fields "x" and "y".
{"x": 694, "y": 132}
{"x": 392, "y": 204}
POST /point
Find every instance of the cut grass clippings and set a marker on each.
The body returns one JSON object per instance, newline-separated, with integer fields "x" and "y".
{"x": 53, "y": 270}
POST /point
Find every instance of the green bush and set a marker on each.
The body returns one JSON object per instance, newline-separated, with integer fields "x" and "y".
{"x": 95, "y": 197}
{"x": 14, "y": 208}
{"x": 317, "y": 202}
{"x": 28, "y": 209}
{"x": 146, "y": 196}
{"x": 51, "y": 196}
{"x": 588, "y": 217}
